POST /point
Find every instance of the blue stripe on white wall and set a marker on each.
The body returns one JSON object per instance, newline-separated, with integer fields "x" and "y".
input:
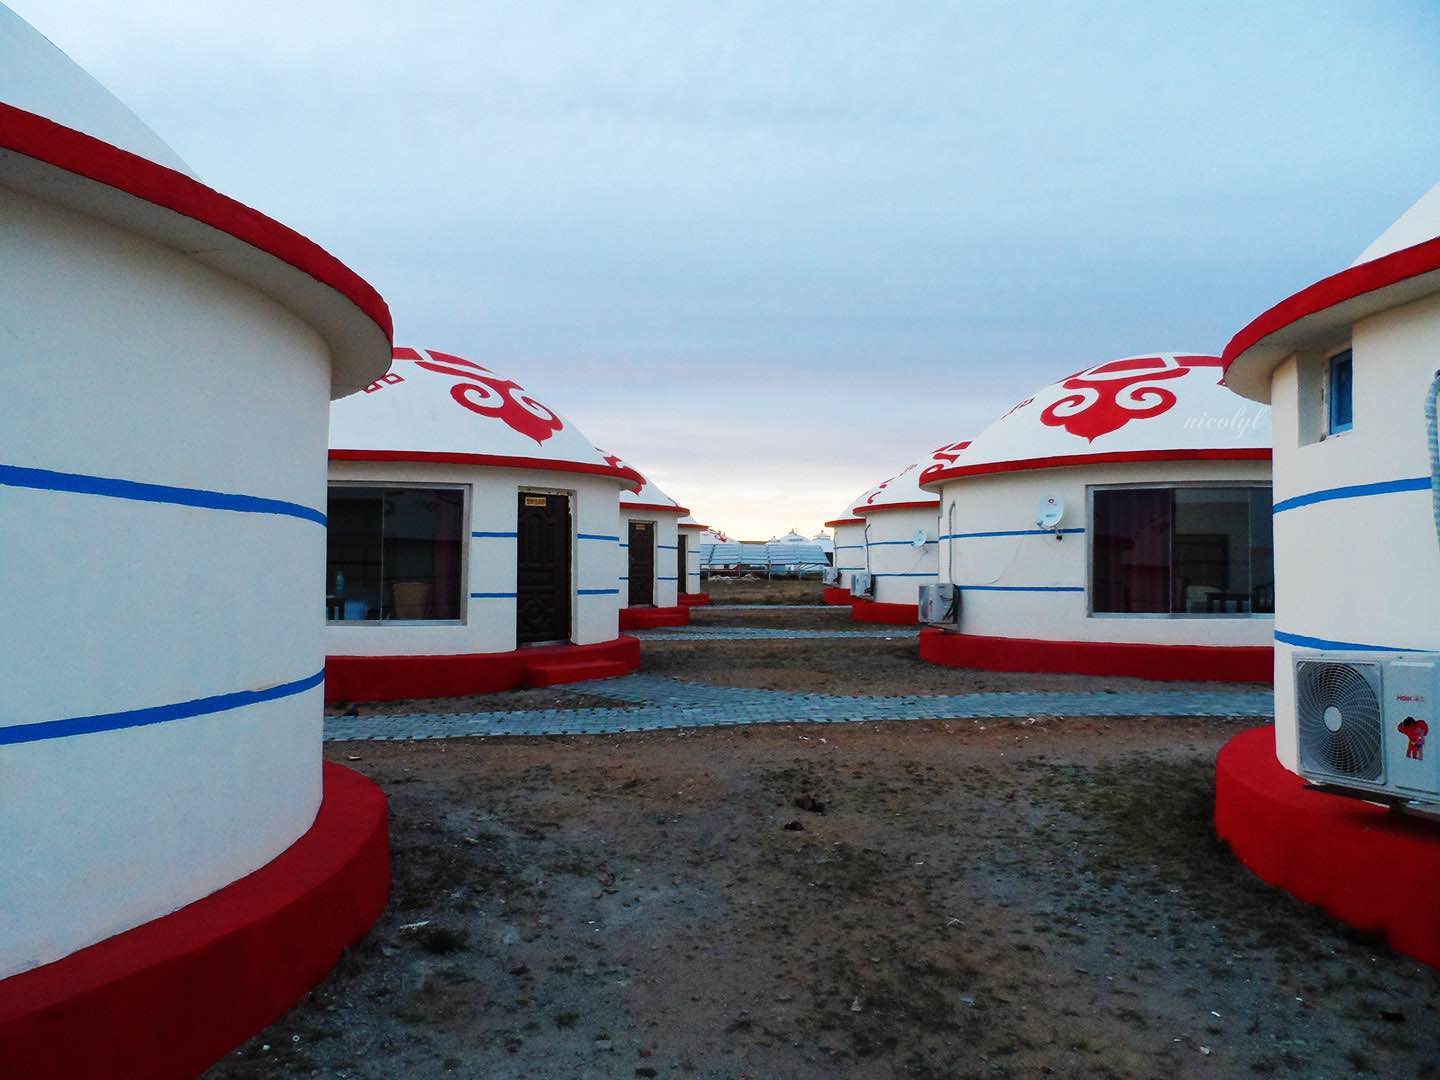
{"x": 1304, "y": 641}
{"x": 493, "y": 595}
{"x": 155, "y": 714}
{"x": 1353, "y": 491}
{"x": 1022, "y": 588}
{"x": 897, "y": 543}
{"x": 495, "y": 535}
{"x": 597, "y": 592}
{"x": 108, "y": 487}
{"x": 1010, "y": 532}
{"x": 596, "y": 536}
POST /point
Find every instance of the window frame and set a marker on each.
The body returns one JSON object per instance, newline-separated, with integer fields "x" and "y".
{"x": 1166, "y": 485}
{"x": 1332, "y": 362}
{"x": 411, "y": 485}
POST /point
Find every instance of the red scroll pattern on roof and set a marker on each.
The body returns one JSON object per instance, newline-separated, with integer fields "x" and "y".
{"x": 943, "y": 458}
{"x": 489, "y": 394}
{"x": 1111, "y": 395}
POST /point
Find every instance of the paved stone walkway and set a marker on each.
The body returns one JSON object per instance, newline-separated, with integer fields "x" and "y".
{"x": 655, "y": 703}
{"x": 742, "y": 633}
{"x": 773, "y": 607}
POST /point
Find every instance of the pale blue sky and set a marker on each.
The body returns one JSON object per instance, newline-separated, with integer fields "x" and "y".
{"x": 772, "y": 253}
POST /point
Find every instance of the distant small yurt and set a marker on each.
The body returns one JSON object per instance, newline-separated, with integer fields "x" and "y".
{"x": 174, "y": 845}
{"x": 691, "y": 535}
{"x": 474, "y": 539}
{"x": 900, "y": 534}
{"x": 847, "y": 551}
{"x": 1349, "y": 366}
{"x": 655, "y": 560}
{"x": 1117, "y": 523}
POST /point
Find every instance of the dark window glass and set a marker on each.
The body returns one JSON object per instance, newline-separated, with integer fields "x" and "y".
{"x": 352, "y": 536}
{"x": 1131, "y": 551}
{"x": 1199, "y": 551}
{"x": 1342, "y": 393}
{"x": 394, "y": 553}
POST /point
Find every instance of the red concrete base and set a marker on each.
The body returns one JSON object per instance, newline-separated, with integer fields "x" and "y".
{"x": 694, "y": 599}
{"x": 1206, "y": 663}
{"x": 392, "y": 678}
{"x": 170, "y": 998}
{"x": 648, "y": 618}
{"x": 1377, "y": 870}
{"x": 873, "y": 611}
{"x": 838, "y": 597}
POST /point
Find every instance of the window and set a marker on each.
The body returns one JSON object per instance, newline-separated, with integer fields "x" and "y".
{"x": 1341, "y": 392}
{"x": 1182, "y": 551}
{"x": 394, "y": 554}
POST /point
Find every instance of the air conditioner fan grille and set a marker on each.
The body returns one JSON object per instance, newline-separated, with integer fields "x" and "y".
{"x": 1340, "y": 720}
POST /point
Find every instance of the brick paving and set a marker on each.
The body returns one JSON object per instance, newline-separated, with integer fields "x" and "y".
{"x": 753, "y": 633}
{"x": 657, "y": 703}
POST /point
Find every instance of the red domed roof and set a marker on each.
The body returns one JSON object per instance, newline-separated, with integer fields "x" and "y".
{"x": 1155, "y": 407}
{"x": 436, "y": 407}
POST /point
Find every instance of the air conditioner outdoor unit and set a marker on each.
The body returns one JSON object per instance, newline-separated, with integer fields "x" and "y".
{"x": 862, "y": 585}
{"x": 940, "y": 605}
{"x": 1362, "y": 725}
{"x": 830, "y": 576}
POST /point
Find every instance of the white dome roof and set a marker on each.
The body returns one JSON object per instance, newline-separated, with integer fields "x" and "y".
{"x": 1418, "y": 224}
{"x": 39, "y": 78}
{"x": 66, "y": 140}
{"x": 647, "y": 496}
{"x": 900, "y": 492}
{"x": 434, "y": 406}
{"x": 1154, "y": 407}
{"x": 1400, "y": 267}
{"x": 688, "y": 522}
{"x": 848, "y": 517}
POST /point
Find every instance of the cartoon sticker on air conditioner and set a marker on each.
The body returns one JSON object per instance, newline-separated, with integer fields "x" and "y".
{"x": 1415, "y": 731}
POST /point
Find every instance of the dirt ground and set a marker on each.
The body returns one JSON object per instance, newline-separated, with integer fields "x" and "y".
{"x": 918, "y": 899}
{"x": 977, "y": 899}
{"x": 759, "y": 590}
{"x": 871, "y": 666}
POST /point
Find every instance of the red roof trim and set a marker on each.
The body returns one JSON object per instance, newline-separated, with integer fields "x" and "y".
{"x": 698, "y": 528}
{"x": 65, "y": 148}
{"x": 844, "y": 521}
{"x": 921, "y": 504}
{"x": 1349, "y": 283}
{"x": 658, "y": 508}
{"x": 492, "y": 461}
{"x": 1110, "y": 458}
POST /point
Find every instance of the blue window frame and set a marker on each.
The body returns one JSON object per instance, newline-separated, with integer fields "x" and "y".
{"x": 1342, "y": 382}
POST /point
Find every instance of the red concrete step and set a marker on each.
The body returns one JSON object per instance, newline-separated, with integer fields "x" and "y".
{"x": 568, "y": 671}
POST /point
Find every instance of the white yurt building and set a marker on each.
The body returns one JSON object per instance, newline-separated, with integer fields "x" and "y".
{"x": 900, "y": 535}
{"x": 656, "y": 554}
{"x": 1114, "y": 523}
{"x": 847, "y": 551}
{"x": 692, "y": 535}
{"x": 474, "y": 540}
{"x": 1349, "y": 368}
{"x": 171, "y": 359}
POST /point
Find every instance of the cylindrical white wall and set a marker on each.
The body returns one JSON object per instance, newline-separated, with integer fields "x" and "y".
{"x": 161, "y": 710}
{"x": 849, "y": 551}
{"x": 899, "y": 565}
{"x": 1024, "y": 583}
{"x": 1360, "y": 570}
{"x": 692, "y": 560}
{"x": 491, "y": 499}
{"x": 667, "y": 577}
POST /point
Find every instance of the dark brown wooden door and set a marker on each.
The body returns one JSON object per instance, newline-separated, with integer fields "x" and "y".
{"x": 542, "y": 572}
{"x": 642, "y": 563}
{"x": 682, "y": 558}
